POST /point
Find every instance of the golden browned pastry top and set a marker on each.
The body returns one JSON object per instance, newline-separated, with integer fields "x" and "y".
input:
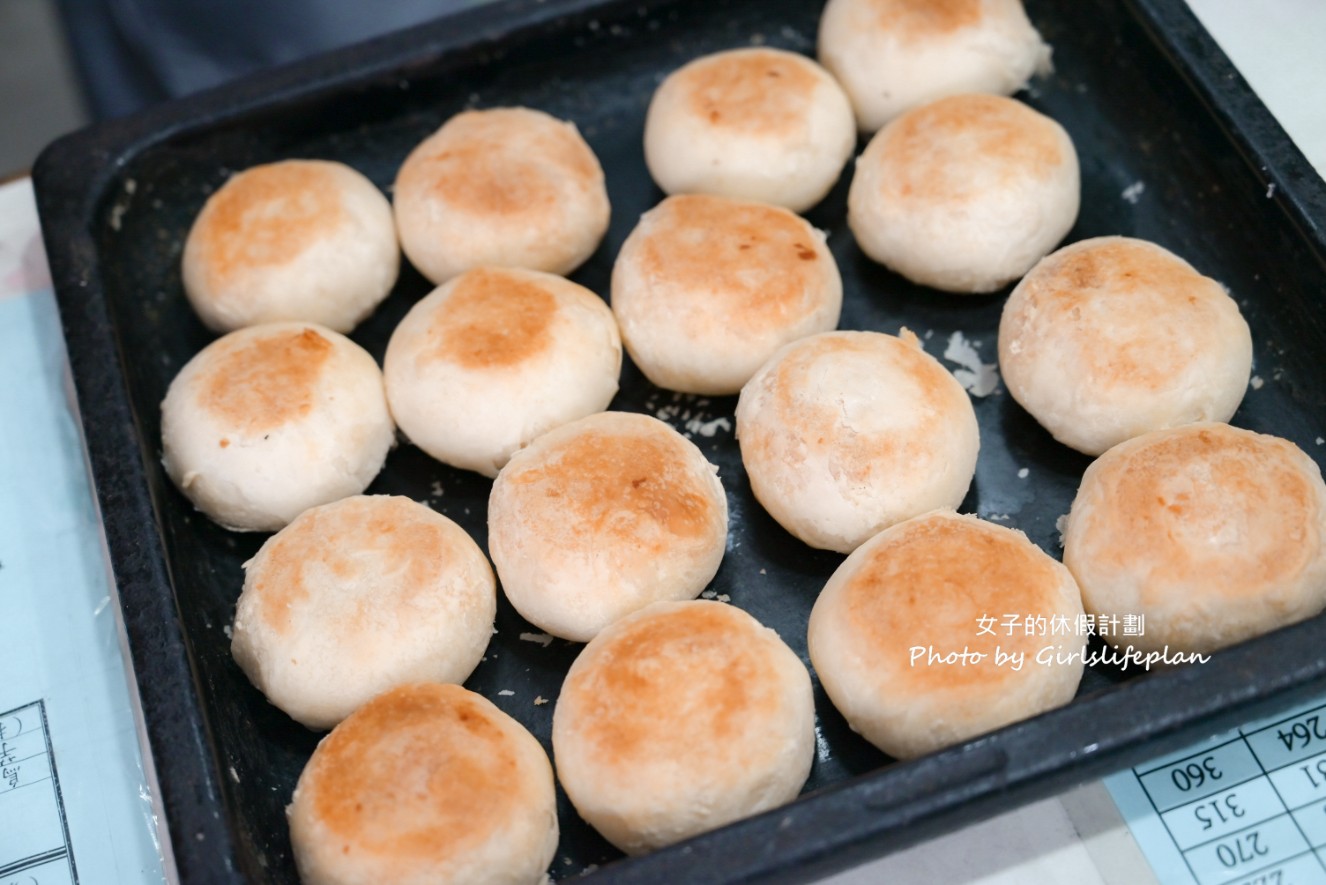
{"x": 422, "y": 771}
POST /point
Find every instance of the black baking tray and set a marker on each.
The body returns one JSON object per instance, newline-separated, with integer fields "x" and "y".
{"x": 1148, "y": 99}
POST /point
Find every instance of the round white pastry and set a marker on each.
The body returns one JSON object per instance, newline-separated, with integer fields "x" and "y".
{"x": 496, "y": 357}
{"x": 602, "y": 517}
{"x": 707, "y": 288}
{"x": 755, "y": 124}
{"x": 1112, "y": 337}
{"x": 904, "y": 635}
{"x": 1204, "y": 534}
{"x": 512, "y": 187}
{"x": 892, "y": 55}
{"x": 965, "y": 194}
{"x": 271, "y": 420}
{"x": 359, "y": 596}
{"x": 680, "y": 718}
{"x": 307, "y": 240}
{"x": 846, "y": 433}
{"x": 426, "y": 784}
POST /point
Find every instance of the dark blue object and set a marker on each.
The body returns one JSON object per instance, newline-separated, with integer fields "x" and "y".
{"x": 134, "y": 53}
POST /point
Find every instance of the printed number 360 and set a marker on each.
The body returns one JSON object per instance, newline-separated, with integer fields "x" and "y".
{"x": 1194, "y": 774}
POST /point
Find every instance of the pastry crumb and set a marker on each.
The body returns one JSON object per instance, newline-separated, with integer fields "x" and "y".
{"x": 976, "y": 377}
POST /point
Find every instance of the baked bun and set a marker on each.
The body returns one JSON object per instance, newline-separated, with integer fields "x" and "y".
{"x": 844, "y": 434}
{"x": 707, "y": 288}
{"x": 307, "y": 240}
{"x": 358, "y": 596}
{"x": 511, "y": 187}
{"x": 1110, "y": 338}
{"x": 965, "y": 194}
{"x": 1208, "y": 533}
{"x": 755, "y": 124}
{"x": 945, "y": 584}
{"x": 601, "y": 517}
{"x": 892, "y": 55}
{"x": 680, "y": 718}
{"x": 425, "y": 783}
{"x": 271, "y": 420}
{"x": 496, "y": 357}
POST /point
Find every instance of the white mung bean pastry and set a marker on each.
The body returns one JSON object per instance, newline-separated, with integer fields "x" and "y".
{"x": 308, "y": 240}
{"x": 600, "y": 518}
{"x": 1207, "y": 533}
{"x": 426, "y": 784}
{"x": 755, "y": 124}
{"x": 680, "y": 718}
{"x": 893, "y": 55}
{"x": 706, "y": 288}
{"x": 906, "y": 635}
{"x": 356, "y": 597}
{"x": 271, "y": 420}
{"x": 965, "y": 194}
{"x": 496, "y": 357}
{"x": 509, "y": 187}
{"x": 846, "y": 433}
{"x": 1113, "y": 337}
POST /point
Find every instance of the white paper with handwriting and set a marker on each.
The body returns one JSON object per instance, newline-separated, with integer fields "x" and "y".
{"x": 75, "y": 806}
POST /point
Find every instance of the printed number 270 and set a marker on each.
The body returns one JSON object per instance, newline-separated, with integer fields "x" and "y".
{"x": 1241, "y": 850}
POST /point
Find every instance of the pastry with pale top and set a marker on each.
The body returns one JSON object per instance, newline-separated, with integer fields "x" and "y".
{"x": 271, "y": 420}
{"x": 706, "y": 288}
{"x": 845, "y": 433}
{"x": 308, "y": 240}
{"x": 496, "y": 357}
{"x": 907, "y": 635}
{"x": 426, "y": 783}
{"x": 680, "y": 718}
{"x": 358, "y": 596}
{"x": 511, "y": 187}
{"x": 893, "y": 55}
{"x": 1112, "y": 337}
{"x": 602, "y": 517}
{"x": 965, "y": 194}
{"x": 1205, "y": 534}
{"x": 755, "y": 124}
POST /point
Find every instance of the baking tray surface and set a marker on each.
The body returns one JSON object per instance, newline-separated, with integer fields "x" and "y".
{"x": 1173, "y": 149}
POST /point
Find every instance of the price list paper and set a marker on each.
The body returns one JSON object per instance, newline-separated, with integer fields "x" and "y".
{"x": 63, "y": 674}
{"x": 1246, "y": 807}
{"x": 34, "y": 838}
